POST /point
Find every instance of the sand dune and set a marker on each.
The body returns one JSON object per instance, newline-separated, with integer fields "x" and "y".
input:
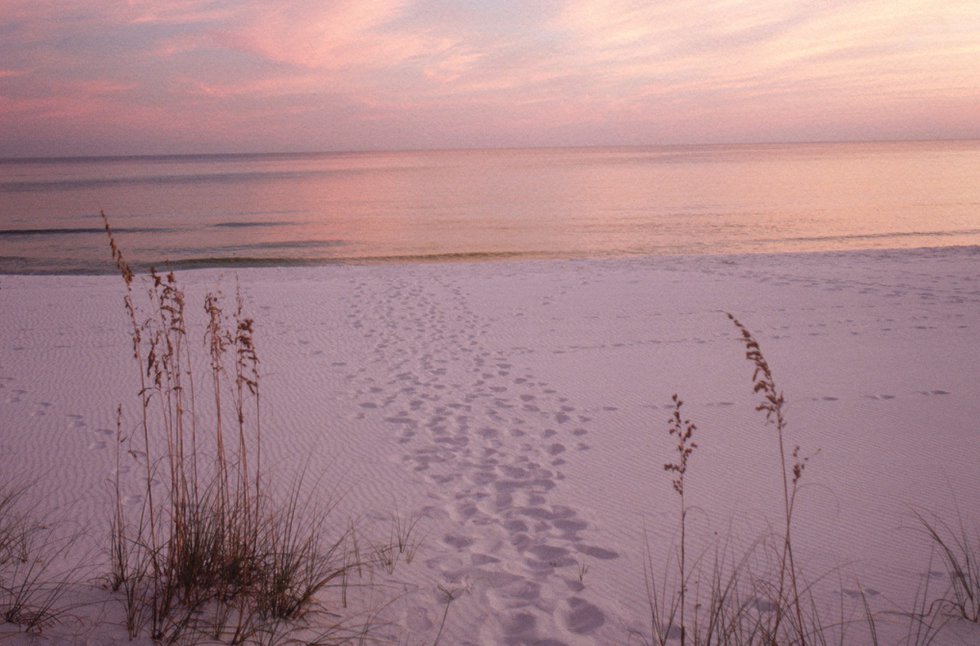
{"x": 519, "y": 409}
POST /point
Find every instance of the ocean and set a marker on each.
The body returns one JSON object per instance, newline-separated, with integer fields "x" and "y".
{"x": 317, "y": 208}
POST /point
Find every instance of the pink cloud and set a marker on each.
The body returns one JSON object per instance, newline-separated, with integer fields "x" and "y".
{"x": 385, "y": 73}
{"x": 320, "y": 35}
{"x": 177, "y": 12}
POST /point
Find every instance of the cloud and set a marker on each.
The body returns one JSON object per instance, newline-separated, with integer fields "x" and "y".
{"x": 319, "y": 35}
{"x": 257, "y": 88}
{"x": 177, "y": 12}
{"x": 401, "y": 73}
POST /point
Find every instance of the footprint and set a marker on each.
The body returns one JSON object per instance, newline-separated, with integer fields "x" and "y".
{"x": 519, "y": 624}
{"x": 597, "y": 552}
{"x": 571, "y": 526}
{"x": 763, "y": 605}
{"x": 857, "y": 594}
{"x": 457, "y": 541}
{"x": 548, "y": 552}
{"x": 582, "y": 617}
{"x": 556, "y": 448}
{"x": 482, "y": 559}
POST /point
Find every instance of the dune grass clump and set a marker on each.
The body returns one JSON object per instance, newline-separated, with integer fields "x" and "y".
{"x": 959, "y": 552}
{"x": 757, "y": 597}
{"x": 761, "y": 596}
{"x": 31, "y": 587}
{"x": 210, "y": 551}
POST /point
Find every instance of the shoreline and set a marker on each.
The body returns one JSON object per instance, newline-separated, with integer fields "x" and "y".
{"x": 479, "y": 257}
{"x": 519, "y": 408}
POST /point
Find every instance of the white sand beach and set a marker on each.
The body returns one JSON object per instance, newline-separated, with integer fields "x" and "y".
{"x": 519, "y": 410}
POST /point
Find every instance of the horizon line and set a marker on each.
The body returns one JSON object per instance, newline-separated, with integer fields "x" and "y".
{"x": 286, "y": 153}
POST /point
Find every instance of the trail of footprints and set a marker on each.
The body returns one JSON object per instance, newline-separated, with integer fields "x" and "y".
{"x": 490, "y": 438}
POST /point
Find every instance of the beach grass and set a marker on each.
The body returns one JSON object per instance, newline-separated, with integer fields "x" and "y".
{"x": 759, "y": 596}
{"x": 211, "y": 538}
{"x": 33, "y": 586}
{"x": 762, "y": 595}
{"x": 958, "y": 546}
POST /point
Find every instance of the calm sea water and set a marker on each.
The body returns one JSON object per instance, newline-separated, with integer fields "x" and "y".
{"x": 282, "y": 209}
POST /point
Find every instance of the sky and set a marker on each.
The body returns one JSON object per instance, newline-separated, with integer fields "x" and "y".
{"x": 97, "y": 77}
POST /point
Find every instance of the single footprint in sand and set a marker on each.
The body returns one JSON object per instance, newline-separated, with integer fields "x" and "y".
{"x": 581, "y": 617}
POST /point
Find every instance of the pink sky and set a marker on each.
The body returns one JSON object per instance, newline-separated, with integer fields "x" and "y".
{"x": 114, "y": 77}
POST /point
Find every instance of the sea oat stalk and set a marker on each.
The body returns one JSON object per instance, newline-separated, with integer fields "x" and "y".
{"x": 684, "y": 430}
{"x": 771, "y": 404}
